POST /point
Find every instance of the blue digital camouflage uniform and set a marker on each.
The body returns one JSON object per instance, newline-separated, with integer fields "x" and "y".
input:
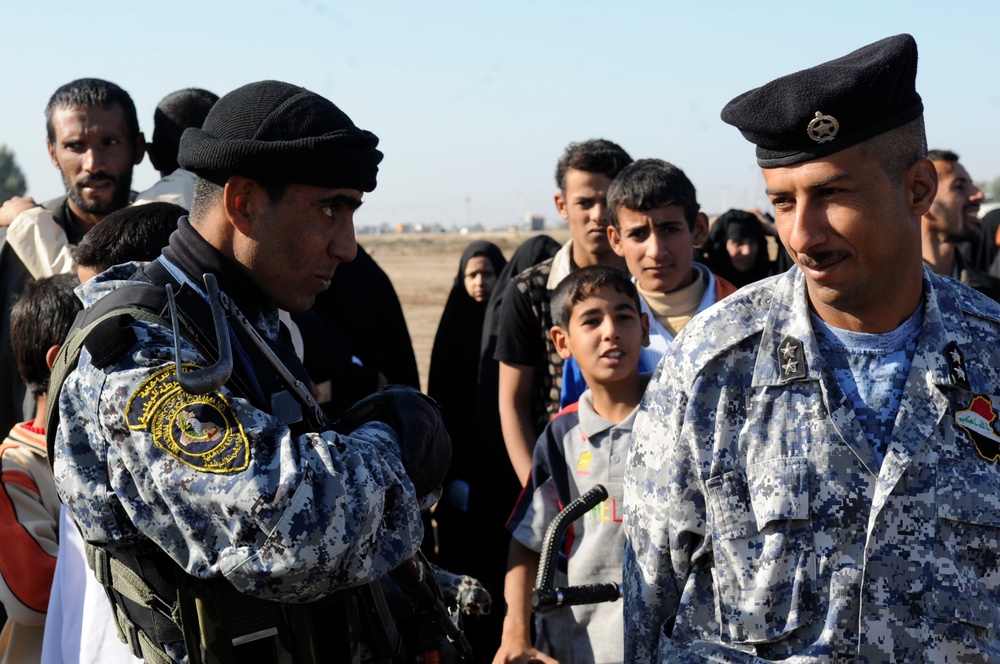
{"x": 758, "y": 524}
{"x": 222, "y": 487}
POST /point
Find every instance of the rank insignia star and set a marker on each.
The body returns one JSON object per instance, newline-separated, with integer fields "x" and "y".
{"x": 956, "y": 365}
{"x": 791, "y": 359}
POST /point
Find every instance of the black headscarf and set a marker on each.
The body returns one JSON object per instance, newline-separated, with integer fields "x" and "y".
{"x": 455, "y": 355}
{"x": 737, "y": 225}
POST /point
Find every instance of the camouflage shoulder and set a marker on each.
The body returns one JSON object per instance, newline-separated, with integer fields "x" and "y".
{"x": 974, "y": 303}
{"x": 725, "y": 324}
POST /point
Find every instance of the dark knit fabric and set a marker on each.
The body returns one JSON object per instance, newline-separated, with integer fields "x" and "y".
{"x": 827, "y": 108}
{"x": 280, "y": 133}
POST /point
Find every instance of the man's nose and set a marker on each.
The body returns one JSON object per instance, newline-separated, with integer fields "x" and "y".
{"x": 93, "y": 160}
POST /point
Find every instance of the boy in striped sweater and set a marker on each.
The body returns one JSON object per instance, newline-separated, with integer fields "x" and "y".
{"x": 29, "y": 505}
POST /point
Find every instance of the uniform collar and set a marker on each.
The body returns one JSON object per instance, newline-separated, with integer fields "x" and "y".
{"x": 789, "y": 352}
{"x": 194, "y": 256}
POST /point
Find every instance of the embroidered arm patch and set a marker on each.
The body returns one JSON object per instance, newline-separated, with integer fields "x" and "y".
{"x": 199, "y": 430}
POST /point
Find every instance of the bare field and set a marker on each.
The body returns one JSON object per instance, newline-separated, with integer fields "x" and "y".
{"x": 422, "y": 269}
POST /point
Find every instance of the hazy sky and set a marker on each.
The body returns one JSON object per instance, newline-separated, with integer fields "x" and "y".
{"x": 474, "y": 102}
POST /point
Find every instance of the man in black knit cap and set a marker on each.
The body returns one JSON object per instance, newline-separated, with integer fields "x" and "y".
{"x": 199, "y": 470}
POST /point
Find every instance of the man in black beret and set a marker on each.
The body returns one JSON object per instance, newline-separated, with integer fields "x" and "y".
{"x": 189, "y": 451}
{"x": 814, "y": 475}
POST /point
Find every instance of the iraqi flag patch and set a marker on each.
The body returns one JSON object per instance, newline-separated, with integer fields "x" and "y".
{"x": 977, "y": 421}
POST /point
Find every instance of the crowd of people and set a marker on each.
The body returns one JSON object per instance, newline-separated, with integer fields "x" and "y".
{"x": 219, "y": 452}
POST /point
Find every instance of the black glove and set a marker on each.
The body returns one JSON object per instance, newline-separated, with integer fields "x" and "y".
{"x": 424, "y": 443}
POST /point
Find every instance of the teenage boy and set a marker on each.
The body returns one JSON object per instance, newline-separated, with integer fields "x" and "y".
{"x": 655, "y": 224}
{"x": 598, "y": 322}
{"x": 530, "y": 370}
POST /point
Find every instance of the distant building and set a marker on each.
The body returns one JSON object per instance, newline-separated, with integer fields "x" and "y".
{"x": 533, "y": 222}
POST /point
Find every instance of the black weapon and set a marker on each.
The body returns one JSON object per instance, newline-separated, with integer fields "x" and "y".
{"x": 544, "y": 597}
{"x": 416, "y": 577}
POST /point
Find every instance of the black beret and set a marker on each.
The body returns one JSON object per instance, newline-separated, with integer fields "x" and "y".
{"x": 832, "y": 106}
{"x": 278, "y": 133}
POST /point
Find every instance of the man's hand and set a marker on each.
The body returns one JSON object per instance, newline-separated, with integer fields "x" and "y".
{"x": 13, "y": 207}
{"x": 520, "y": 653}
{"x": 424, "y": 443}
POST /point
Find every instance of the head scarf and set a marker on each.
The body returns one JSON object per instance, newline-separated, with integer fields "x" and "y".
{"x": 737, "y": 225}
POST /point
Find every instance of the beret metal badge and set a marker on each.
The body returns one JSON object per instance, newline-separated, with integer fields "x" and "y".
{"x": 791, "y": 359}
{"x": 823, "y": 128}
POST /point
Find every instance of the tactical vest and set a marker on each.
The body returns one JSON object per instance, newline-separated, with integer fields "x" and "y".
{"x": 158, "y": 607}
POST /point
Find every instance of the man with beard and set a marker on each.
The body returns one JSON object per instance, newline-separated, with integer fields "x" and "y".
{"x": 953, "y": 219}
{"x": 94, "y": 140}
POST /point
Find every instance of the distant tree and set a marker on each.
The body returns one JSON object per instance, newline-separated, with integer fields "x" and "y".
{"x": 12, "y": 182}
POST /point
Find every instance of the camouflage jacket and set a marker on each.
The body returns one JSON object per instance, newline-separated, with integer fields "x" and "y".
{"x": 759, "y": 526}
{"x": 222, "y": 487}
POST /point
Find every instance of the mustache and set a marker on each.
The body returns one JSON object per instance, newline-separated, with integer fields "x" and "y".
{"x": 97, "y": 178}
{"x": 819, "y": 258}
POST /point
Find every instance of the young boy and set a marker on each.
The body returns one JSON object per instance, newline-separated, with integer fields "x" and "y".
{"x": 29, "y": 505}
{"x": 656, "y": 223}
{"x": 598, "y": 322}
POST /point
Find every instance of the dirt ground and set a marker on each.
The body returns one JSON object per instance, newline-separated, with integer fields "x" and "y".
{"x": 422, "y": 269}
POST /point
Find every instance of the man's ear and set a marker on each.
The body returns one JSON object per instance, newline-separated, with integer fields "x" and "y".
{"x": 560, "y": 339}
{"x": 699, "y": 232}
{"x": 615, "y": 240}
{"x": 140, "y": 149}
{"x": 52, "y": 153}
{"x": 239, "y": 197}
{"x": 560, "y": 199}
{"x": 644, "y": 320}
{"x": 921, "y": 181}
{"x": 50, "y": 356}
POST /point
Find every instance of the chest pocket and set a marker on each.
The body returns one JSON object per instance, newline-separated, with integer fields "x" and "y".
{"x": 765, "y": 563}
{"x": 968, "y": 513}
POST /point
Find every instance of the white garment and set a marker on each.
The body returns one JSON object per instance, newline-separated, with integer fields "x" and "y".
{"x": 42, "y": 245}
{"x": 80, "y": 628}
{"x": 562, "y": 265}
{"x": 176, "y": 188}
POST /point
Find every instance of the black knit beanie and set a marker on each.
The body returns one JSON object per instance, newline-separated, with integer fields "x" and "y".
{"x": 278, "y": 133}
